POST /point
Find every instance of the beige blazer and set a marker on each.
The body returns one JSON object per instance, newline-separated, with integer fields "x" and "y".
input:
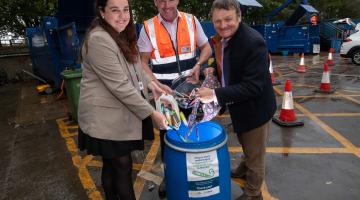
{"x": 110, "y": 104}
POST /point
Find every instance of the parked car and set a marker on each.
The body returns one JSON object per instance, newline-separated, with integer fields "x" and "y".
{"x": 350, "y": 47}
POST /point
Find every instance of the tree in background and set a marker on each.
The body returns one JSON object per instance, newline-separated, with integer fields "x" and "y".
{"x": 146, "y": 9}
{"x": 329, "y": 9}
{"x": 337, "y": 9}
{"x": 16, "y": 15}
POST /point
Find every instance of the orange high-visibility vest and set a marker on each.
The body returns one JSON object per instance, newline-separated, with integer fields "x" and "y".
{"x": 163, "y": 50}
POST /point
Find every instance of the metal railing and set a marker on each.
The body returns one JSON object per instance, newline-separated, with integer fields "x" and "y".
{"x": 331, "y": 31}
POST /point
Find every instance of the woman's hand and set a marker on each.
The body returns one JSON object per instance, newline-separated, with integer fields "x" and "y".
{"x": 166, "y": 88}
{"x": 156, "y": 90}
{"x": 159, "y": 120}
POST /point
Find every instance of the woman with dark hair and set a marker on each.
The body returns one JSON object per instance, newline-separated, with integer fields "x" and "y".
{"x": 114, "y": 116}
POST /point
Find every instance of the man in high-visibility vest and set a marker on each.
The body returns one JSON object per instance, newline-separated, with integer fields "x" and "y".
{"x": 169, "y": 41}
{"x": 166, "y": 34}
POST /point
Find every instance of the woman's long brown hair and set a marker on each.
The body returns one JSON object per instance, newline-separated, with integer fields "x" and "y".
{"x": 126, "y": 40}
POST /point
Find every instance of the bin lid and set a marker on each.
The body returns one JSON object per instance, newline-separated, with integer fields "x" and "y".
{"x": 74, "y": 73}
{"x": 209, "y": 134}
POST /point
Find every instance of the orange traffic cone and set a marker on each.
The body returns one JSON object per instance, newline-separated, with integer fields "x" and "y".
{"x": 325, "y": 86}
{"x": 301, "y": 67}
{"x": 273, "y": 81}
{"x": 287, "y": 114}
{"x": 330, "y": 57}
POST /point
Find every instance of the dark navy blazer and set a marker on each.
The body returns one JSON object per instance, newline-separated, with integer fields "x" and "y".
{"x": 248, "y": 91}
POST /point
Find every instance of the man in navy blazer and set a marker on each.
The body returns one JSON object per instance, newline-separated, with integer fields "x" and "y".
{"x": 246, "y": 91}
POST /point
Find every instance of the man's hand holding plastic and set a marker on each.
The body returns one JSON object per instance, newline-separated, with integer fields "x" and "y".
{"x": 194, "y": 74}
{"x": 206, "y": 95}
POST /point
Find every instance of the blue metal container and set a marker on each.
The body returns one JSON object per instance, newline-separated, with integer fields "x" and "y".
{"x": 197, "y": 166}
{"x": 44, "y": 51}
{"x": 336, "y": 44}
{"x": 69, "y": 46}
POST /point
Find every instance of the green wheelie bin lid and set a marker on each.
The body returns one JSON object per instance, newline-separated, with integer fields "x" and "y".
{"x": 69, "y": 74}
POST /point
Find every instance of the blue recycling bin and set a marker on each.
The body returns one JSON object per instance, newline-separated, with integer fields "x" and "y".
{"x": 197, "y": 166}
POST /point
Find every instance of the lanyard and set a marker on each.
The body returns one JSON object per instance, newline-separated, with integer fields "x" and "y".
{"x": 141, "y": 85}
{"x": 173, "y": 45}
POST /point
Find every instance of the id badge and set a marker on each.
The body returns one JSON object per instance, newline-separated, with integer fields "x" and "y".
{"x": 185, "y": 49}
{"x": 141, "y": 85}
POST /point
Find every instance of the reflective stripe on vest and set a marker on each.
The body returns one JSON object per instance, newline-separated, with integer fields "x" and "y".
{"x": 171, "y": 76}
{"x": 163, "y": 51}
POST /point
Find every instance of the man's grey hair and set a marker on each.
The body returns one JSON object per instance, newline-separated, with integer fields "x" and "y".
{"x": 226, "y": 5}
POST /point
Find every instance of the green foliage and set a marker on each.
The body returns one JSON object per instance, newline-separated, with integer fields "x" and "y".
{"x": 200, "y": 8}
{"x": 335, "y": 9}
{"x": 328, "y": 9}
{"x": 16, "y": 15}
{"x": 146, "y": 9}
{"x": 143, "y": 9}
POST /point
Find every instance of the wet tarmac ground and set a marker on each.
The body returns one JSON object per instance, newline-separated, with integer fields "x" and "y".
{"x": 39, "y": 158}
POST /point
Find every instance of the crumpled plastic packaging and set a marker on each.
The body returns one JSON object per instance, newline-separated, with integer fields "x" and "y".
{"x": 203, "y": 112}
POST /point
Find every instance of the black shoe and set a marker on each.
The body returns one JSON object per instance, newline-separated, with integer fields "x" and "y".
{"x": 162, "y": 190}
{"x": 247, "y": 197}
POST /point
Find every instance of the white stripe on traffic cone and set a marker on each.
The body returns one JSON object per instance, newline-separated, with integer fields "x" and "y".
{"x": 287, "y": 113}
{"x": 301, "y": 67}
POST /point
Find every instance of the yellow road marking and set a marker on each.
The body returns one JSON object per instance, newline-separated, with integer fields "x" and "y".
{"x": 352, "y": 91}
{"x": 99, "y": 164}
{"x": 95, "y": 163}
{"x": 239, "y": 181}
{"x": 279, "y": 74}
{"x": 326, "y": 96}
{"x": 265, "y": 192}
{"x": 303, "y": 85}
{"x": 147, "y": 165}
{"x": 332, "y": 115}
{"x": 150, "y": 177}
{"x": 316, "y": 114}
{"x": 348, "y": 98}
{"x": 71, "y": 145}
{"x": 311, "y": 72}
{"x": 264, "y": 188}
{"x": 137, "y": 166}
{"x": 346, "y": 75}
{"x": 298, "y": 150}
{"x": 79, "y": 163}
{"x": 93, "y": 193}
{"x": 331, "y": 131}
{"x": 327, "y": 128}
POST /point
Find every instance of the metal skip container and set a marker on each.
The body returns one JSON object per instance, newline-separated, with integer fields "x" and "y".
{"x": 197, "y": 163}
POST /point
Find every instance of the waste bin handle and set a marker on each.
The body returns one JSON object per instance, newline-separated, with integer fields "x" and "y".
{"x": 196, "y": 150}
